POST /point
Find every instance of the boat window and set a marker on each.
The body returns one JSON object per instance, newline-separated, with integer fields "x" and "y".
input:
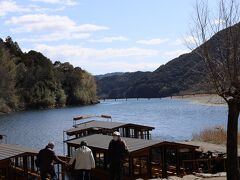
{"x": 139, "y": 135}
{"x": 126, "y": 166}
{"x": 171, "y": 160}
{"x": 71, "y": 150}
{"x": 30, "y": 165}
{"x": 145, "y": 135}
{"x": 99, "y": 158}
{"x": 140, "y": 165}
{"x": 185, "y": 158}
{"x": 121, "y": 131}
{"x": 132, "y": 133}
{"x": 156, "y": 162}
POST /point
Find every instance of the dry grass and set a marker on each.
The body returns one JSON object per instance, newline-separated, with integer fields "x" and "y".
{"x": 216, "y": 135}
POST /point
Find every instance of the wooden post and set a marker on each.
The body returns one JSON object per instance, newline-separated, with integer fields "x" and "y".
{"x": 25, "y": 170}
{"x": 63, "y": 170}
{"x": 164, "y": 170}
{"x": 195, "y": 162}
{"x": 32, "y": 163}
{"x": 131, "y": 166}
{"x": 127, "y": 132}
{"x": 149, "y": 164}
{"x": 135, "y": 133}
{"x": 68, "y": 150}
{"x": 177, "y": 161}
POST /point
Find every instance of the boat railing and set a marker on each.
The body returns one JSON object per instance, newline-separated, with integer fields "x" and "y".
{"x": 24, "y": 166}
{"x": 207, "y": 165}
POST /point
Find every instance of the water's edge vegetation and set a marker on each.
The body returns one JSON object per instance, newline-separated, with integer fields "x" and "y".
{"x": 31, "y": 80}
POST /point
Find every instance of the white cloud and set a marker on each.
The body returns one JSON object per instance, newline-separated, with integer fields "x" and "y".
{"x": 109, "y": 39}
{"x": 9, "y": 6}
{"x": 218, "y": 21}
{"x": 57, "y": 37}
{"x": 185, "y": 41}
{"x": 89, "y": 28}
{"x": 155, "y": 41}
{"x": 175, "y": 53}
{"x": 64, "y": 2}
{"x": 95, "y": 60}
{"x": 35, "y": 8}
{"x": 101, "y": 68}
{"x": 44, "y": 22}
{"x": 71, "y": 51}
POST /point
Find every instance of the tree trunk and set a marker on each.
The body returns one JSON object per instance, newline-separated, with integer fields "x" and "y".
{"x": 232, "y": 135}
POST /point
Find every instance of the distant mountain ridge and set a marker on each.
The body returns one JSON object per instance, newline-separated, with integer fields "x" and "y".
{"x": 186, "y": 74}
{"x": 116, "y": 86}
{"x": 101, "y": 76}
{"x": 182, "y": 75}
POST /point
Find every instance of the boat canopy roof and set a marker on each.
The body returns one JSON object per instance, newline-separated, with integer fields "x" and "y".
{"x": 100, "y": 141}
{"x": 10, "y": 150}
{"x": 209, "y": 147}
{"x": 108, "y": 125}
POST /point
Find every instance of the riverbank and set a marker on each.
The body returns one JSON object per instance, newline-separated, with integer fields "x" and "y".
{"x": 218, "y": 176}
{"x": 206, "y": 99}
{"x": 192, "y": 177}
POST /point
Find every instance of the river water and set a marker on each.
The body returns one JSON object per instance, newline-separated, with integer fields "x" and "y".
{"x": 173, "y": 119}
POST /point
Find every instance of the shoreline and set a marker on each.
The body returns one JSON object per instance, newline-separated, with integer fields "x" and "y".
{"x": 204, "y": 99}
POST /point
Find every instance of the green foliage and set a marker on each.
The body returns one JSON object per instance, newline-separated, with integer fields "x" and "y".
{"x": 8, "y": 98}
{"x": 85, "y": 92}
{"x": 38, "y": 83}
{"x": 79, "y": 85}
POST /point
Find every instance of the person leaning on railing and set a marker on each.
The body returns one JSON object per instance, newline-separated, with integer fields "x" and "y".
{"x": 45, "y": 161}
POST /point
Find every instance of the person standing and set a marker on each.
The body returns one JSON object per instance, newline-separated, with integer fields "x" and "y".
{"x": 45, "y": 161}
{"x": 84, "y": 162}
{"x": 117, "y": 150}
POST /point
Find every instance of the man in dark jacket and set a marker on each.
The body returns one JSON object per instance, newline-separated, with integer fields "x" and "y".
{"x": 45, "y": 159}
{"x": 117, "y": 150}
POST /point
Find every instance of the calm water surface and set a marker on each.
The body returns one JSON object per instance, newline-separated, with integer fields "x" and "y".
{"x": 173, "y": 120}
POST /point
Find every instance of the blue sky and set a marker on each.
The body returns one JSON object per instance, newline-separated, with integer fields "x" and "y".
{"x": 101, "y": 36}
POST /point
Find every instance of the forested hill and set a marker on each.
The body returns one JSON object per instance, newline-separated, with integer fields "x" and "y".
{"x": 117, "y": 85}
{"x": 183, "y": 75}
{"x": 31, "y": 80}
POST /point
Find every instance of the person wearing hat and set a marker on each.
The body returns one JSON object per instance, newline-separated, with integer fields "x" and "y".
{"x": 84, "y": 162}
{"x": 45, "y": 161}
{"x": 117, "y": 150}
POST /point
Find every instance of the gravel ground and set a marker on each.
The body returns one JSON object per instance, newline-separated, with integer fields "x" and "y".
{"x": 209, "y": 99}
{"x": 192, "y": 177}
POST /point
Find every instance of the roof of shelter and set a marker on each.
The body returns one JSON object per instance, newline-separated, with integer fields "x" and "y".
{"x": 103, "y": 125}
{"x": 11, "y": 150}
{"x": 102, "y": 141}
{"x": 209, "y": 147}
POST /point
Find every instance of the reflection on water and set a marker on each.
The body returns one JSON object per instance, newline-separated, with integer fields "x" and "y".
{"x": 173, "y": 120}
